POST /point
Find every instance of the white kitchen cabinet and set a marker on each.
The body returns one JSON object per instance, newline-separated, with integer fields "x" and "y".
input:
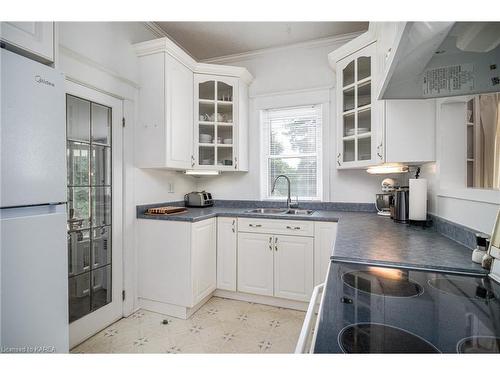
{"x": 35, "y": 39}
{"x": 164, "y": 133}
{"x": 410, "y": 131}
{"x": 177, "y": 265}
{"x": 274, "y": 226}
{"x": 227, "y": 241}
{"x": 255, "y": 263}
{"x": 324, "y": 240}
{"x": 215, "y": 116}
{"x": 298, "y": 251}
{"x": 175, "y": 91}
{"x": 359, "y": 114}
{"x": 293, "y": 267}
{"x": 204, "y": 259}
{"x": 372, "y": 131}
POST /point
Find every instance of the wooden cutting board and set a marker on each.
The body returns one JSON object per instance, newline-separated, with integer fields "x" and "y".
{"x": 167, "y": 210}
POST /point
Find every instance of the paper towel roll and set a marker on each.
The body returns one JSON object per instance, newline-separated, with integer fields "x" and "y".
{"x": 418, "y": 199}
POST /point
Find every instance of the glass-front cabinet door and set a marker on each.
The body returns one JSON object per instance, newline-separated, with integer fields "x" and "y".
{"x": 358, "y": 139}
{"x": 216, "y": 102}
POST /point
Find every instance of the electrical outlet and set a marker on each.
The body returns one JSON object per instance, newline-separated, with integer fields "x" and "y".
{"x": 171, "y": 187}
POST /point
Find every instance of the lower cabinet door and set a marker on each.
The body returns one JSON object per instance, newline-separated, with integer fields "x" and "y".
{"x": 293, "y": 267}
{"x": 255, "y": 263}
{"x": 226, "y": 253}
{"x": 203, "y": 258}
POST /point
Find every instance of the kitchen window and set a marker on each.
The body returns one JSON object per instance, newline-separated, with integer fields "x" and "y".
{"x": 292, "y": 146}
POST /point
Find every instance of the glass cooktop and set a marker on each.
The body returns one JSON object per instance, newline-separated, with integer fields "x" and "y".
{"x": 434, "y": 312}
{"x": 479, "y": 288}
{"x": 479, "y": 344}
{"x": 380, "y": 338}
{"x": 377, "y": 281}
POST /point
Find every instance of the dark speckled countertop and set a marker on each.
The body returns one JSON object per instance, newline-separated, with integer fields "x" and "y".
{"x": 198, "y": 214}
{"x": 363, "y": 237}
{"x": 372, "y": 239}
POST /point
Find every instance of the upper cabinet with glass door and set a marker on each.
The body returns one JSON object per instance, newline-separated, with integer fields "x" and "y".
{"x": 191, "y": 115}
{"x": 220, "y": 121}
{"x": 359, "y": 138}
{"x": 372, "y": 131}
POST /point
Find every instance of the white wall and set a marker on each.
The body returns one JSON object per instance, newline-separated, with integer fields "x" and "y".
{"x": 108, "y": 44}
{"x": 101, "y": 54}
{"x": 287, "y": 77}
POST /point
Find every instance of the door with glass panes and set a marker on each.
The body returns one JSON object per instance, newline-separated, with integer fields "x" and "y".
{"x": 216, "y": 100}
{"x": 94, "y": 163}
{"x": 359, "y": 139}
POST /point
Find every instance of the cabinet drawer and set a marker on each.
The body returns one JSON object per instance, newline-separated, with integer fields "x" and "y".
{"x": 276, "y": 226}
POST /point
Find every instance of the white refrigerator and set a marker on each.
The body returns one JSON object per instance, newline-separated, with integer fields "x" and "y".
{"x": 33, "y": 260}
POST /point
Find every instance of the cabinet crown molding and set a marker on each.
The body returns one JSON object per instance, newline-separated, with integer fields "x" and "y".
{"x": 165, "y": 45}
{"x": 354, "y": 45}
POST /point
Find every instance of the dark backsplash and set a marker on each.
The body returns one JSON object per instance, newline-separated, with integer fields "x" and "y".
{"x": 456, "y": 232}
{"x": 329, "y": 206}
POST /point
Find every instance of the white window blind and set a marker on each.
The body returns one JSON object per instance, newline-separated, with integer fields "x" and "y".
{"x": 292, "y": 146}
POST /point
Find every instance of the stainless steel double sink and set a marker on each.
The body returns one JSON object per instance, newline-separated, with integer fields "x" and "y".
{"x": 280, "y": 211}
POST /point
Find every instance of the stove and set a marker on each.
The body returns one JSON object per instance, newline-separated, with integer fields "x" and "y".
{"x": 381, "y": 338}
{"x": 371, "y": 309}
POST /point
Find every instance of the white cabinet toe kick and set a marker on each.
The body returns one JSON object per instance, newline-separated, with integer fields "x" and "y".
{"x": 269, "y": 261}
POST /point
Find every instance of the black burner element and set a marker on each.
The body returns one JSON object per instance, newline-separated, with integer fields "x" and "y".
{"x": 471, "y": 287}
{"x": 479, "y": 344}
{"x": 383, "y": 281}
{"x": 379, "y": 338}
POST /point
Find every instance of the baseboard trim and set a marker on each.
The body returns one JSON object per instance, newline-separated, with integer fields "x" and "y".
{"x": 264, "y": 300}
{"x": 181, "y": 312}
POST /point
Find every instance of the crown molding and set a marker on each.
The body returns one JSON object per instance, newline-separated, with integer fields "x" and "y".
{"x": 155, "y": 29}
{"x": 361, "y": 41}
{"x": 224, "y": 70}
{"x": 337, "y": 39}
{"x": 166, "y": 45}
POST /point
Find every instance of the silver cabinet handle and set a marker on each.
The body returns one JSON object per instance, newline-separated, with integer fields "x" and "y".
{"x": 293, "y": 228}
{"x": 270, "y": 243}
{"x": 235, "y": 162}
{"x": 234, "y": 222}
{"x": 338, "y": 159}
{"x": 192, "y": 161}
{"x": 275, "y": 243}
{"x": 379, "y": 150}
{"x": 255, "y": 225}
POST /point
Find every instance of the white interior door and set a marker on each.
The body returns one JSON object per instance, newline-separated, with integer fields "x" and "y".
{"x": 94, "y": 157}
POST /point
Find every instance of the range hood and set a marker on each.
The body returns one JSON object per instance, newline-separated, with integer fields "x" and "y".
{"x": 442, "y": 59}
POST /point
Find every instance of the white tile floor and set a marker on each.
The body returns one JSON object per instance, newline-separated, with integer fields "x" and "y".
{"x": 220, "y": 326}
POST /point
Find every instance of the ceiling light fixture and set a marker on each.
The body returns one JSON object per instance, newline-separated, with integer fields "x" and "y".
{"x": 388, "y": 169}
{"x": 194, "y": 172}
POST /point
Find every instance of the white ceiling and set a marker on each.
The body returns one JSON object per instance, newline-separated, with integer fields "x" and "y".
{"x": 204, "y": 40}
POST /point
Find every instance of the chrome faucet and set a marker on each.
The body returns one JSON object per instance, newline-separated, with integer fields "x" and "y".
{"x": 288, "y": 200}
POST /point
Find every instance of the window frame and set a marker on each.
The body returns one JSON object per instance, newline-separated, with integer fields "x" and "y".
{"x": 266, "y": 153}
